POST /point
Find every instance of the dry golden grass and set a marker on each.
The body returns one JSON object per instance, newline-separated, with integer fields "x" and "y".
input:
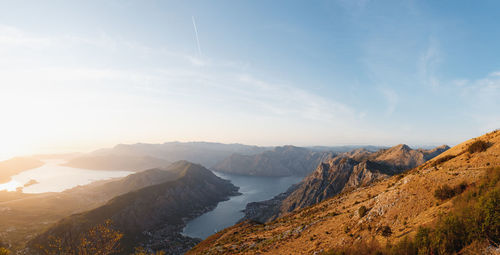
{"x": 403, "y": 203}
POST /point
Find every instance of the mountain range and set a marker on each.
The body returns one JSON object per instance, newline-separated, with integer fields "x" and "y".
{"x": 344, "y": 172}
{"x": 229, "y": 158}
{"x": 369, "y": 212}
{"x": 204, "y": 153}
{"x": 280, "y": 161}
{"x": 152, "y": 216}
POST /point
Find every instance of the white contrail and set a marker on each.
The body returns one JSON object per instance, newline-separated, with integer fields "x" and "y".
{"x": 196, "y": 33}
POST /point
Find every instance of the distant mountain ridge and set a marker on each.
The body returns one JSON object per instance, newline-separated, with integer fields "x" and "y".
{"x": 117, "y": 162}
{"x": 155, "y": 215}
{"x": 142, "y": 156}
{"x": 281, "y": 161}
{"x": 343, "y": 172}
{"x": 17, "y": 165}
{"x": 230, "y": 158}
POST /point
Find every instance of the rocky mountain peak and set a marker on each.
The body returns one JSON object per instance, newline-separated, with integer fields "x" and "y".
{"x": 344, "y": 172}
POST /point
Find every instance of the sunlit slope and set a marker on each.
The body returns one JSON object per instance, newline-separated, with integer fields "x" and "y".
{"x": 402, "y": 203}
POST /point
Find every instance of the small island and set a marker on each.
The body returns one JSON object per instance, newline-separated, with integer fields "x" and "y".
{"x": 31, "y": 182}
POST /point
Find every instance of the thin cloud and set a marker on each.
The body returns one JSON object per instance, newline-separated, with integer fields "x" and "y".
{"x": 428, "y": 63}
{"x": 196, "y": 35}
{"x": 392, "y": 100}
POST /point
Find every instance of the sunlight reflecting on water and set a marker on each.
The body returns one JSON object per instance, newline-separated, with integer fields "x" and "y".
{"x": 10, "y": 186}
{"x": 53, "y": 177}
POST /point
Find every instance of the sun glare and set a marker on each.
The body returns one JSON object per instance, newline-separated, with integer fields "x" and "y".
{"x": 10, "y": 186}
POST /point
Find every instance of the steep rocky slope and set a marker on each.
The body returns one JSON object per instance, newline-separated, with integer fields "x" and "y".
{"x": 401, "y": 203}
{"x": 281, "y": 161}
{"x": 153, "y": 216}
{"x": 344, "y": 172}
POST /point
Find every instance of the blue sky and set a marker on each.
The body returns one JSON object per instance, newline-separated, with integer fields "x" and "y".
{"x": 78, "y": 75}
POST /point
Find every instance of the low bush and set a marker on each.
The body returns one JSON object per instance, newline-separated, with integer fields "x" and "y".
{"x": 362, "y": 211}
{"x": 472, "y": 225}
{"x": 4, "y": 251}
{"x": 386, "y": 231}
{"x": 443, "y": 159}
{"x": 478, "y": 146}
{"x": 446, "y": 192}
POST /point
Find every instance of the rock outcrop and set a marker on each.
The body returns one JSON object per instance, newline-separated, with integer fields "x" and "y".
{"x": 344, "y": 172}
{"x": 401, "y": 204}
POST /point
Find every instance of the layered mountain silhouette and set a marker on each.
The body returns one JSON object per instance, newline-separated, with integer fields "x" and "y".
{"x": 229, "y": 158}
{"x": 344, "y": 172}
{"x": 152, "y": 216}
{"x": 117, "y": 162}
{"x": 280, "y": 161}
{"x": 142, "y": 156}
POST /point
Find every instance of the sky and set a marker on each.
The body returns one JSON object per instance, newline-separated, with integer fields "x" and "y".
{"x": 80, "y": 75}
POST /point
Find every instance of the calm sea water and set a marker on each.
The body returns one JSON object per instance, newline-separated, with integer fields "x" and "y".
{"x": 227, "y": 213}
{"x": 52, "y": 177}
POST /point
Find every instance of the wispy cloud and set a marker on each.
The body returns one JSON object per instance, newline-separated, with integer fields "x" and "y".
{"x": 231, "y": 85}
{"x": 429, "y": 62}
{"x": 196, "y": 35}
{"x": 482, "y": 99}
{"x": 392, "y": 100}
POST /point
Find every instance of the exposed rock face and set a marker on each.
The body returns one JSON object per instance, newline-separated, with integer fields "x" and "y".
{"x": 281, "y": 161}
{"x": 344, "y": 172}
{"x": 153, "y": 215}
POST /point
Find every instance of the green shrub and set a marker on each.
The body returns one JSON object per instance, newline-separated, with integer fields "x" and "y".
{"x": 473, "y": 223}
{"x": 478, "y": 146}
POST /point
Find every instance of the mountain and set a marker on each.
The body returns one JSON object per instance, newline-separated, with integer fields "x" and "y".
{"x": 423, "y": 204}
{"x": 116, "y": 162}
{"x": 17, "y": 165}
{"x": 341, "y": 173}
{"x": 280, "y": 161}
{"x": 101, "y": 191}
{"x": 153, "y": 216}
{"x": 346, "y": 148}
{"x": 204, "y": 153}
{"x": 24, "y": 215}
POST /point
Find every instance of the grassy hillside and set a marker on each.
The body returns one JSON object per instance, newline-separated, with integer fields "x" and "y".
{"x": 386, "y": 211}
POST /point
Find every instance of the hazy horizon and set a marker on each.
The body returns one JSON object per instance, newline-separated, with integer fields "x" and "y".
{"x": 79, "y": 76}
